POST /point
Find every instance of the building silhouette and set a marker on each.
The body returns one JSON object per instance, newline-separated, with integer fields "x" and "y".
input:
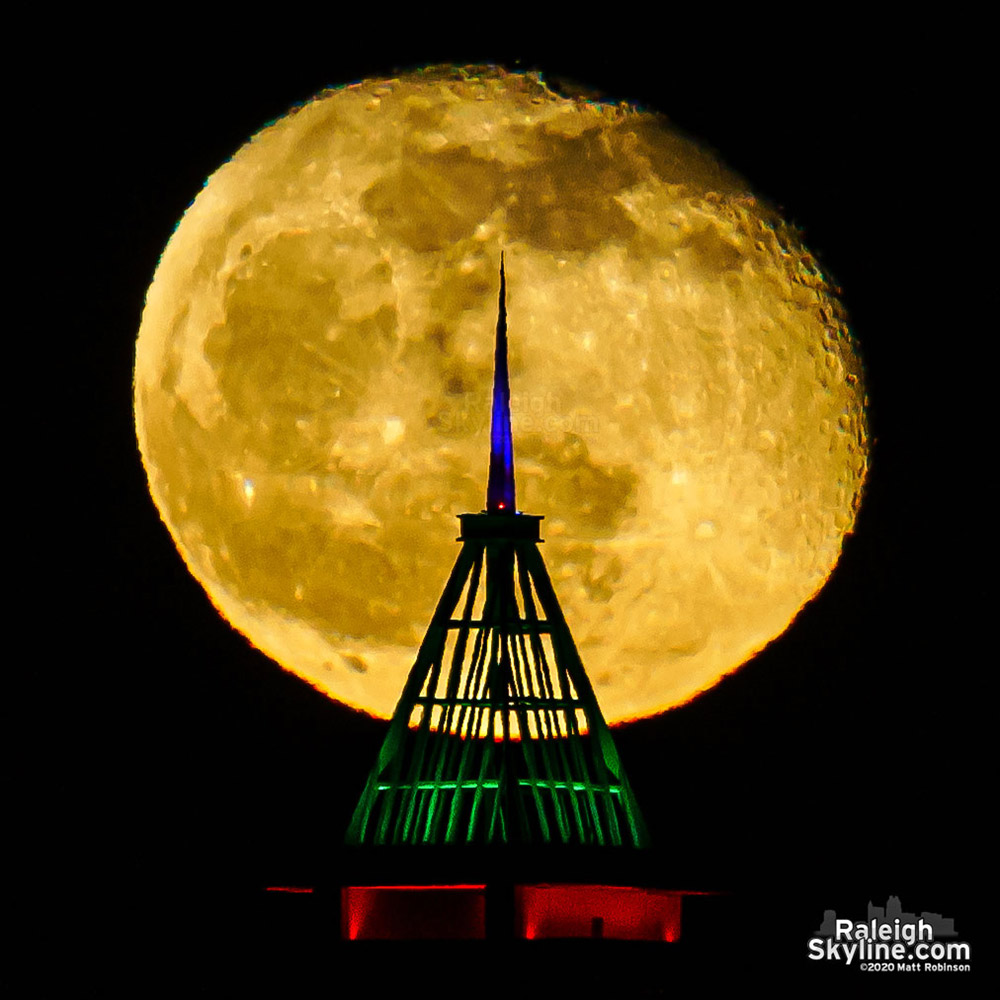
{"x": 498, "y": 742}
{"x": 498, "y": 736}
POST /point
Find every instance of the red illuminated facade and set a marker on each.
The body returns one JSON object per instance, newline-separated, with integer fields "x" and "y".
{"x": 413, "y": 912}
{"x": 459, "y": 912}
{"x": 598, "y": 911}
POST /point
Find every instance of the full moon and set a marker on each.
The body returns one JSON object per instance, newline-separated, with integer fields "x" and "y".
{"x": 314, "y": 365}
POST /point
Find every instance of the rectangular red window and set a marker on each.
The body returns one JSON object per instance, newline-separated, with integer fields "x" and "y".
{"x": 412, "y": 912}
{"x": 575, "y": 911}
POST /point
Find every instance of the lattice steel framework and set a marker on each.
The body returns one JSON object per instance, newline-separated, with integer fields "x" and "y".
{"x": 498, "y": 736}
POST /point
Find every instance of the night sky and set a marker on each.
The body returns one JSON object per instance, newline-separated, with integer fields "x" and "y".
{"x": 831, "y": 770}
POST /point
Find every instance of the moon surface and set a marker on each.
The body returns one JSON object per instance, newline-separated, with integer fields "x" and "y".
{"x": 314, "y": 365}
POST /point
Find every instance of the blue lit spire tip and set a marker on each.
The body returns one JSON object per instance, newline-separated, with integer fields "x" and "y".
{"x": 500, "y": 486}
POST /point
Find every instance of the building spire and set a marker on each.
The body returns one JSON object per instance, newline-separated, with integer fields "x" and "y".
{"x": 500, "y": 487}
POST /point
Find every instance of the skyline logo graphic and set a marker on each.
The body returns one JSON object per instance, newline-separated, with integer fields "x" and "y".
{"x": 891, "y": 939}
